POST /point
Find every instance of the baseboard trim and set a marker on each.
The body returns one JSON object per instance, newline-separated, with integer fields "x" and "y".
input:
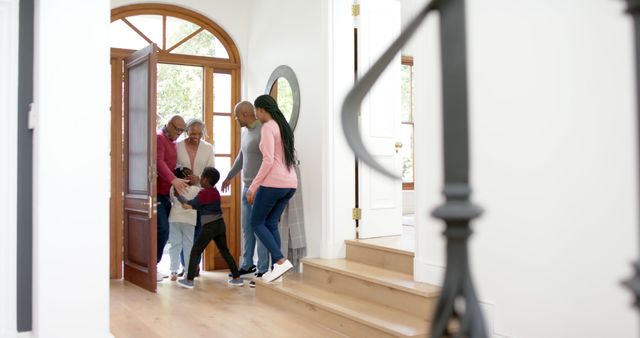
{"x": 334, "y": 250}
{"x": 433, "y": 273}
{"x": 428, "y": 272}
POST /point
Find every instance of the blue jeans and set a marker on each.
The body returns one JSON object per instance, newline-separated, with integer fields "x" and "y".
{"x": 268, "y": 205}
{"x": 249, "y": 239}
{"x": 164, "y": 208}
{"x": 180, "y": 238}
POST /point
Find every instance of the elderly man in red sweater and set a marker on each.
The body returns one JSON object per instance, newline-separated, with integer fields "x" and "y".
{"x": 166, "y": 164}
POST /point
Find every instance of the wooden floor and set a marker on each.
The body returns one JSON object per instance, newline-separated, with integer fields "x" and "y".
{"x": 212, "y": 309}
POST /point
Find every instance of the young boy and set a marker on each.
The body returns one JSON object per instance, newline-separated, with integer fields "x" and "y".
{"x": 182, "y": 223}
{"x": 213, "y": 228}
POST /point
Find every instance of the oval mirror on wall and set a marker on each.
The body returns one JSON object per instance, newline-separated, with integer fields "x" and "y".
{"x": 283, "y": 87}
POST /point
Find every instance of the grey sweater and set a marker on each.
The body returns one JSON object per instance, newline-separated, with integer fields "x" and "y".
{"x": 249, "y": 157}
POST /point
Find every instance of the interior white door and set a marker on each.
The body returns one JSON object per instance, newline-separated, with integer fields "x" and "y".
{"x": 380, "y": 198}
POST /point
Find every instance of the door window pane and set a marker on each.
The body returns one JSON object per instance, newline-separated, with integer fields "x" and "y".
{"x": 180, "y": 91}
{"x": 223, "y": 164}
{"x": 407, "y": 153}
{"x": 222, "y": 134}
{"x": 407, "y": 91}
{"x": 222, "y": 93}
{"x": 138, "y": 144}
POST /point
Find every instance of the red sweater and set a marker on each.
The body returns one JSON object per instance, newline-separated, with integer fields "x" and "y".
{"x": 166, "y": 162}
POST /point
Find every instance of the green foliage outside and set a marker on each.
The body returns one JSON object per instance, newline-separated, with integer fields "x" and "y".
{"x": 407, "y": 108}
{"x": 407, "y": 88}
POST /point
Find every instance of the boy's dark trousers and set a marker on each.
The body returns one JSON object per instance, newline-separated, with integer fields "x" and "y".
{"x": 215, "y": 231}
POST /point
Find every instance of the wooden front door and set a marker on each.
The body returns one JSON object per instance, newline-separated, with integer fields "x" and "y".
{"x": 140, "y": 231}
{"x": 192, "y": 45}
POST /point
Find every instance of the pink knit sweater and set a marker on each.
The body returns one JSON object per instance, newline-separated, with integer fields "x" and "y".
{"x": 273, "y": 172}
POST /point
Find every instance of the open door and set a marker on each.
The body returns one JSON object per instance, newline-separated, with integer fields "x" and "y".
{"x": 380, "y": 198}
{"x": 140, "y": 231}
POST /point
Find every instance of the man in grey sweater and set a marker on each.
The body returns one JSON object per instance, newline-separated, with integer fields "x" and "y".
{"x": 249, "y": 160}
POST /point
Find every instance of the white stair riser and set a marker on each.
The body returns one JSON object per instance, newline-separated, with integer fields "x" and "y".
{"x": 380, "y": 258}
{"x": 401, "y": 300}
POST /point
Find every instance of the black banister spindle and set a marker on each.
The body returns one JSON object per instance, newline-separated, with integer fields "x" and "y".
{"x": 458, "y": 311}
{"x": 633, "y": 9}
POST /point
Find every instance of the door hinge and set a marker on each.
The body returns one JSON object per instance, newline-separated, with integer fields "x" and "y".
{"x": 356, "y": 214}
{"x": 355, "y": 10}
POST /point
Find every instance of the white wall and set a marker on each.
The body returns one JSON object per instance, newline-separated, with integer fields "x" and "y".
{"x": 71, "y": 170}
{"x": 8, "y": 156}
{"x": 232, "y": 16}
{"x": 297, "y": 34}
{"x": 408, "y": 202}
{"x": 553, "y": 163}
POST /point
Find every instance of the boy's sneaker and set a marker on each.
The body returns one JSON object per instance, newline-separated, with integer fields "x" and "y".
{"x": 174, "y": 276}
{"x": 236, "y": 282}
{"x": 252, "y": 284}
{"x": 242, "y": 272}
{"x": 259, "y": 274}
{"x": 159, "y": 276}
{"x": 278, "y": 271}
{"x": 185, "y": 283}
{"x": 181, "y": 273}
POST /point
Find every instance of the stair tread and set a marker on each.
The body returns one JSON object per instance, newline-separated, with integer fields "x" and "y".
{"x": 393, "y": 279}
{"x": 396, "y": 244}
{"x": 375, "y": 315}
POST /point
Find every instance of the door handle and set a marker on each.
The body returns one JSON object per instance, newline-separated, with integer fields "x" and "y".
{"x": 398, "y": 146}
{"x": 151, "y": 207}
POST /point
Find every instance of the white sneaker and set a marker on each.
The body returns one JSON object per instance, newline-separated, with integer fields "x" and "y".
{"x": 159, "y": 276}
{"x": 265, "y": 275}
{"x": 278, "y": 271}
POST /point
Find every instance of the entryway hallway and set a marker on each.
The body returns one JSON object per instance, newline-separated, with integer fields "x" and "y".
{"x": 212, "y": 309}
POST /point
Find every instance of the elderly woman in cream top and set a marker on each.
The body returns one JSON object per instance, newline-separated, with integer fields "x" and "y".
{"x": 195, "y": 154}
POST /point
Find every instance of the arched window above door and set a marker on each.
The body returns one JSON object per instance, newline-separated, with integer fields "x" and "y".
{"x": 174, "y": 30}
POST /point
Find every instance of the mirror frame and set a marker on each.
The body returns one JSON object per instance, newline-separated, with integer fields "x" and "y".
{"x": 287, "y": 73}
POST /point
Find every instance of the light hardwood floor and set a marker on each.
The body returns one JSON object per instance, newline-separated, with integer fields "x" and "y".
{"x": 212, "y": 309}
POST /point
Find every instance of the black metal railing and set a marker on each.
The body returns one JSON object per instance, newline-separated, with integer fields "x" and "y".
{"x": 458, "y": 311}
{"x": 633, "y": 9}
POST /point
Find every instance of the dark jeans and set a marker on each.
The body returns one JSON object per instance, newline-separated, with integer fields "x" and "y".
{"x": 268, "y": 205}
{"x": 196, "y": 233}
{"x": 215, "y": 231}
{"x": 164, "y": 208}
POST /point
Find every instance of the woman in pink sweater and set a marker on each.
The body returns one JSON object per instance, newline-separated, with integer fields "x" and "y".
{"x": 275, "y": 183}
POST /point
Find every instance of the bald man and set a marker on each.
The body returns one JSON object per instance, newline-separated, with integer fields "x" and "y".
{"x": 249, "y": 160}
{"x": 166, "y": 164}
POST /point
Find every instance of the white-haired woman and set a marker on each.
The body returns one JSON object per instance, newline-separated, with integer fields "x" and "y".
{"x": 196, "y": 154}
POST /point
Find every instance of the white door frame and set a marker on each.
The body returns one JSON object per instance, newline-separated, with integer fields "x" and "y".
{"x": 9, "y": 14}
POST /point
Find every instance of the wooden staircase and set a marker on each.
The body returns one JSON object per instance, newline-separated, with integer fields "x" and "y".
{"x": 371, "y": 293}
